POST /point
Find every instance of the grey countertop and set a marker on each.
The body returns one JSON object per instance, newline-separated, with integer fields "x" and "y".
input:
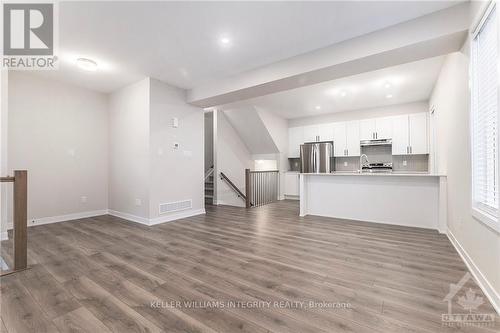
{"x": 374, "y": 174}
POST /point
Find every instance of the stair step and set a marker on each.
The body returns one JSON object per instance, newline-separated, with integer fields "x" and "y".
{"x": 209, "y": 196}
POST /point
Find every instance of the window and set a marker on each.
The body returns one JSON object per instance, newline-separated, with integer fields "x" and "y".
{"x": 484, "y": 93}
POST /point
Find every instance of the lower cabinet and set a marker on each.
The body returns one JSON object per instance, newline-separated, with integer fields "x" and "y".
{"x": 292, "y": 183}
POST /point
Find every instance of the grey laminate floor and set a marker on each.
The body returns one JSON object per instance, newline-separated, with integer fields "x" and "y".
{"x": 105, "y": 274}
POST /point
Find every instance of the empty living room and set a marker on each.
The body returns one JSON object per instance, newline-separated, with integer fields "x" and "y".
{"x": 250, "y": 166}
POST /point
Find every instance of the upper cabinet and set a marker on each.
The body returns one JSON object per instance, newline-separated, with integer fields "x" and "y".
{"x": 318, "y": 133}
{"x": 295, "y": 139}
{"x": 419, "y": 138}
{"x": 410, "y": 136}
{"x": 346, "y": 139}
{"x": 379, "y": 128}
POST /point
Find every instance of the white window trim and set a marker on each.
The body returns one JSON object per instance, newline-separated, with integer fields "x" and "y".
{"x": 478, "y": 213}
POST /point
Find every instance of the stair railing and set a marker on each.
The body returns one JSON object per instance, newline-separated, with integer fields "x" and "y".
{"x": 261, "y": 187}
{"x": 233, "y": 186}
{"x": 20, "y": 181}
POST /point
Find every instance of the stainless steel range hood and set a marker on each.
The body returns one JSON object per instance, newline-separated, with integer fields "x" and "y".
{"x": 377, "y": 142}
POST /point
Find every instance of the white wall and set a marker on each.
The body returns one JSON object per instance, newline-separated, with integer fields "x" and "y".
{"x": 233, "y": 157}
{"x": 175, "y": 174}
{"x": 386, "y": 111}
{"x": 278, "y": 129}
{"x": 451, "y": 99}
{"x": 58, "y": 133}
{"x": 129, "y": 123}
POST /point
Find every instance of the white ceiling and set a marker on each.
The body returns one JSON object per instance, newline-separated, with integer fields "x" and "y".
{"x": 408, "y": 83}
{"x": 179, "y": 42}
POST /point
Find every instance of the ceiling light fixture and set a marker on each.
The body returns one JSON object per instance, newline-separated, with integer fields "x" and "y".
{"x": 225, "y": 41}
{"x": 387, "y": 85}
{"x": 343, "y": 94}
{"x": 318, "y": 107}
{"x": 388, "y": 96}
{"x": 86, "y": 64}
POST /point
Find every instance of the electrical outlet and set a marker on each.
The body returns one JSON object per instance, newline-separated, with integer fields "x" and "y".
{"x": 345, "y": 163}
{"x": 405, "y": 163}
{"x": 83, "y": 199}
{"x": 138, "y": 202}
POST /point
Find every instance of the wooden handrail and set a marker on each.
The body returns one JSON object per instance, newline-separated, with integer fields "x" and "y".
{"x": 20, "y": 216}
{"x": 270, "y": 171}
{"x": 234, "y": 187}
{"x": 7, "y": 179}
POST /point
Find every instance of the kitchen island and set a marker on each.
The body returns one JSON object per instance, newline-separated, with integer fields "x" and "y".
{"x": 407, "y": 199}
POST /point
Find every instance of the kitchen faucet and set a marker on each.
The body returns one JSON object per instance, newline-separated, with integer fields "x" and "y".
{"x": 361, "y": 162}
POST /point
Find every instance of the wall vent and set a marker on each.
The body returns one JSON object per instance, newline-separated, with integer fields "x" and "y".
{"x": 175, "y": 206}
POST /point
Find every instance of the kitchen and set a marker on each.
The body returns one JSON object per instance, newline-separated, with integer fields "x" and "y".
{"x": 393, "y": 184}
{"x": 381, "y": 154}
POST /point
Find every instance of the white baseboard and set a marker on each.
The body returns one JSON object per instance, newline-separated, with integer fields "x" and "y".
{"x": 67, "y": 217}
{"x": 176, "y": 216}
{"x": 129, "y": 217}
{"x": 4, "y": 236}
{"x": 157, "y": 220}
{"x": 483, "y": 283}
{"x": 61, "y": 218}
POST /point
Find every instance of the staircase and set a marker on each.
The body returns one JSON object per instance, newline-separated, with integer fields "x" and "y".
{"x": 209, "y": 186}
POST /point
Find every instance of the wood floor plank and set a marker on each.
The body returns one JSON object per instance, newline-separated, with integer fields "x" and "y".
{"x": 80, "y": 320}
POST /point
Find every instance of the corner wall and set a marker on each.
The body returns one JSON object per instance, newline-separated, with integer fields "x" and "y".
{"x": 175, "y": 174}
{"x": 476, "y": 242}
{"x": 58, "y": 132}
{"x": 129, "y": 151}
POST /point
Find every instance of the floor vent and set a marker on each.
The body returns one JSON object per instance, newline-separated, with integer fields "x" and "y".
{"x": 175, "y": 206}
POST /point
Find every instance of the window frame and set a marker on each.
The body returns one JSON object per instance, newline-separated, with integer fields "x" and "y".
{"x": 483, "y": 214}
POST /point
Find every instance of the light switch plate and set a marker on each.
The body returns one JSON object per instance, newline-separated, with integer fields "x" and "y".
{"x": 138, "y": 202}
{"x": 83, "y": 199}
{"x": 175, "y": 122}
{"x": 176, "y": 145}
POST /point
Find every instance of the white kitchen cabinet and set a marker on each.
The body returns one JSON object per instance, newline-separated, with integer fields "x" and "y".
{"x": 419, "y": 143}
{"x": 400, "y": 135}
{"x": 379, "y": 128}
{"x": 367, "y": 129}
{"x": 292, "y": 183}
{"x": 295, "y": 139}
{"x": 352, "y": 138}
{"x": 346, "y": 139}
{"x": 311, "y": 133}
{"x": 383, "y": 128}
{"x": 410, "y": 135}
{"x": 325, "y": 132}
{"x": 339, "y": 139}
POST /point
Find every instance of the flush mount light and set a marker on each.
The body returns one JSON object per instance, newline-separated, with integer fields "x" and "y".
{"x": 86, "y": 64}
{"x": 343, "y": 94}
{"x": 318, "y": 107}
{"x": 225, "y": 41}
{"x": 388, "y": 96}
{"x": 387, "y": 85}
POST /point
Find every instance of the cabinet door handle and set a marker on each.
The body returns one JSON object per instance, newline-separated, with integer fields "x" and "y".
{"x": 411, "y": 150}
{"x": 407, "y": 149}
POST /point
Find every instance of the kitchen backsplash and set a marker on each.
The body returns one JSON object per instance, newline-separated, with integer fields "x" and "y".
{"x": 415, "y": 163}
{"x": 346, "y": 163}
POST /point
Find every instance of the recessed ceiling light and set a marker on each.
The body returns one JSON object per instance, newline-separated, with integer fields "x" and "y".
{"x": 225, "y": 41}
{"x": 318, "y": 107}
{"x": 388, "y": 96}
{"x": 343, "y": 94}
{"x": 86, "y": 64}
{"x": 387, "y": 85}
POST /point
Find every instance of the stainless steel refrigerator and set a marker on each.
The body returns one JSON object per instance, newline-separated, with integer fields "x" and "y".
{"x": 316, "y": 157}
